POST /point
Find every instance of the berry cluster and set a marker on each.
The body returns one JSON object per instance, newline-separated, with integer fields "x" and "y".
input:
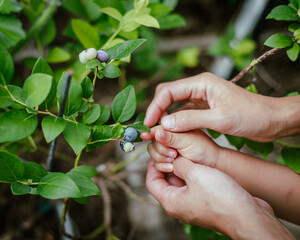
{"x": 130, "y": 135}
{"x": 92, "y": 53}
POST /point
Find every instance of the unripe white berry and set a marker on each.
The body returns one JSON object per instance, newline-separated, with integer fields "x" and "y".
{"x": 82, "y": 57}
{"x": 128, "y": 147}
{"x": 91, "y": 54}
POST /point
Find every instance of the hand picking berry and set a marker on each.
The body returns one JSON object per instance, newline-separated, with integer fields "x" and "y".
{"x": 130, "y": 134}
{"x": 102, "y": 56}
{"x": 127, "y": 146}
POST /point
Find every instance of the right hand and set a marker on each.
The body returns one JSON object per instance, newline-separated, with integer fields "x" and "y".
{"x": 218, "y": 105}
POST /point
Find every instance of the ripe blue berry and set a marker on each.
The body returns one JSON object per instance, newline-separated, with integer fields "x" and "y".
{"x": 127, "y": 146}
{"x": 130, "y": 134}
{"x": 102, "y": 56}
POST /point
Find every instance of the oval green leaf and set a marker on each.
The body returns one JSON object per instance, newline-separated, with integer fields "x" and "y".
{"x": 11, "y": 168}
{"x": 279, "y": 40}
{"x": 52, "y": 127}
{"x": 292, "y": 158}
{"x": 293, "y": 52}
{"x": 86, "y": 186}
{"x": 6, "y": 64}
{"x": 111, "y": 71}
{"x": 16, "y": 125}
{"x": 284, "y": 13}
{"x": 92, "y": 114}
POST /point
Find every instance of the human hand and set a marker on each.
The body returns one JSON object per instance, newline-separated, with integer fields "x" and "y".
{"x": 211, "y": 199}
{"x": 193, "y": 145}
{"x": 217, "y": 104}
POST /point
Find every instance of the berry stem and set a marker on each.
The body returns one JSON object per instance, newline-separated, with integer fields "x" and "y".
{"x": 106, "y": 45}
{"x": 253, "y": 63}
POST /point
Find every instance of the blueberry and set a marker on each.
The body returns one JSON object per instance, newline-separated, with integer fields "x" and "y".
{"x": 91, "y": 54}
{"x": 127, "y": 146}
{"x": 102, "y": 56}
{"x": 130, "y": 134}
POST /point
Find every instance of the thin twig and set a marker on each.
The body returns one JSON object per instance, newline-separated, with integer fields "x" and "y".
{"x": 253, "y": 63}
{"x": 106, "y": 205}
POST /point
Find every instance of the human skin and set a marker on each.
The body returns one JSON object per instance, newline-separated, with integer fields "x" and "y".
{"x": 276, "y": 184}
{"x": 217, "y": 104}
{"x": 206, "y": 197}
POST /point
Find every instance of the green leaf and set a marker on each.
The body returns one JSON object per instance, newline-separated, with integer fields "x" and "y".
{"x": 92, "y": 114}
{"x": 124, "y": 105}
{"x": 86, "y": 33}
{"x": 16, "y": 125}
{"x": 291, "y": 156}
{"x": 52, "y": 127}
{"x": 87, "y": 87}
{"x": 293, "y": 27}
{"x": 5, "y": 99}
{"x": 125, "y": 49}
{"x": 83, "y": 200}
{"x": 117, "y": 131}
{"x": 86, "y": 186}
{"x": 104, "y": 115}
{"x": 147, "y": 21}
{"x": 58, "y": 185}
{"x": 93, "y": 64}
{"x": 117, "y": 4}
{"x": 114, "y": 13}
{"x": 77, "y": 135}
{"x": 171, "y": 21}
{"x": 103, "y": 133}
{"x": 283, "y": 12}
{"x": 11, "y": 168}
{"x": 58, "y": 55}
{"x": 36, "y": 88}
{"x": 140, "y": 5}
{"x": 170, "y": 3}
{"x": 21, "y": 189}
{"x": 251, "y": 88}
{"x": 189, "y": 57}
{"x": 18, "y": 94}
{"x": 41, "y": 66}
{"x": 49, "y": 33}
{"x": 7, "y": 67}
{"x": 293, "y": 52}
{"x": 141, "y": 127}
{"x": 158, "y": 10}
{"x": 297, "y": 33}
{"x": 8, "y": 6}
{"x": 11, "y": 31}
{"x": 33, "y": 171}
{"x": 74, "y": 6}
{"x": 263, "y": 149}
{"x": 74, "y": 97}
{"x": 111, "y": 71}
{"x": 296, "y": 3}
{"x": 235, "y": 141}
{"x": 85, "y": 170}
{"x": 279, "y": 40}
{"x": 291, "y": 94}
{"x": 214, "y": 134}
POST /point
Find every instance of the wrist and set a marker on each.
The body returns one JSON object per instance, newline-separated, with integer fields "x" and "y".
{"x": 285, "y": 120}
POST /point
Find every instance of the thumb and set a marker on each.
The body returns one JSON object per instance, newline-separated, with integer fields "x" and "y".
{"x": 192, "y": 119}
{"x": 183, "y": 168}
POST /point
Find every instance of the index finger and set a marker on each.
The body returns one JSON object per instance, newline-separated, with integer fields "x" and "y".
{"x": 173, "y": 92}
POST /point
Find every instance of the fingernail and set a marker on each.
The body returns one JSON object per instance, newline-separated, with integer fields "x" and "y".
{"x": 168, "y": 167}
{"x": 168, "y": 122}
{"x": 172, "y": 154}
{"x": 169, "y": 160}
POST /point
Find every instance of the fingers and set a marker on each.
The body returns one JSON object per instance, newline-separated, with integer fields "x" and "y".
{"x": 174, "y": 180}
{"x": 183, "y": 168}
{"x": 193, "y": 119}
{"x": 157, "y": 185}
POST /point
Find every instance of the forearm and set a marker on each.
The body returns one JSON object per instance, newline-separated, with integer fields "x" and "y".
{"x": 276, "y": 184}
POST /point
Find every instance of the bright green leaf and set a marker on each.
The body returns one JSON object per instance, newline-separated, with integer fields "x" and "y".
{"x": 214, "y": 134}
{"x": 8, "y": 6}
{"x": 112, "y": 12}
{"x": 159, "y": 10}
{"x": 141, "y": 127}
{"x": 117, "y": 131}
{"x": 124, "y": 105}
{"x": 251, "y": 88}
{"x": 279, "y": 40}
{"x": 189, "y": 57}
{"x": 11, "y": 168}
{"x": 86, "y": 33}
{"x": 93, "y": 64}
{"x": 58, "y": 55}
{"x": 147, "y": 21}
{"x": 11, "y": 31}
{"x": 86, "y": 186}
{"x": 293, "y": 52}
{"x": 18, "y": 94}
{"x": 36, "y": 88}
{"x": 104, "y": 115}
{"x": 77, "y": 135}
{"x": 291, "y": 156}
{"x": 5, "y": 99}
{"x": 235, "y": 141}
{"x": 16, "y": 125}
{"x": 52, "y": 127}
{"x": 33, "y": 171}
{"x": 21, "y": 189}
{"x": 117, "y": 4}
{"x": 58, "y": 185}
{"x": 263, "y": 148}
{"x": 293, "y": 27}
{"x": 87, "y": 87}
{"x": 283, "y": 12}
{"x": 92, "y": 114}
{"x": 111, "y": 71}
{"x": 6, "y": 63}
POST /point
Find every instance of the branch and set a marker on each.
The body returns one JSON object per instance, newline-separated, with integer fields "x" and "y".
{"x": 253, "y": 63}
